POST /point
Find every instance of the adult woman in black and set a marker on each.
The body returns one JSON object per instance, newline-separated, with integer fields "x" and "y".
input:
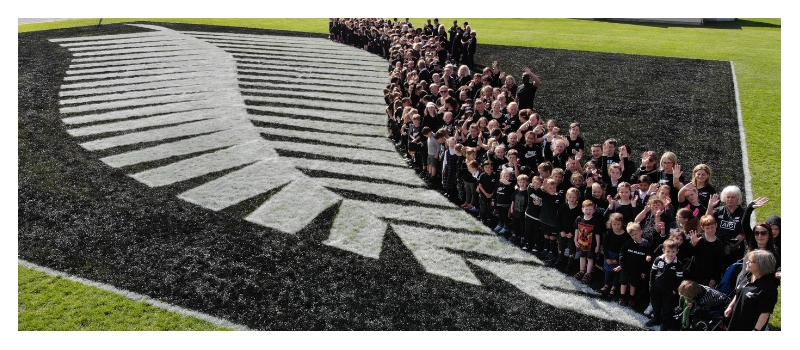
{"x": 760, "y": 238}
{"x": 732, "y": 219}
{"x": 756, "y": 293}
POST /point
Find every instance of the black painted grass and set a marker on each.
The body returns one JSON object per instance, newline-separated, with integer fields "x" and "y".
{"x": 77, "y": 215}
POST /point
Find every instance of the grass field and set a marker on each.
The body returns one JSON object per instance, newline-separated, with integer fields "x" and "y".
{"x": 56, "y": 304}
{"x": 757, "y": 71}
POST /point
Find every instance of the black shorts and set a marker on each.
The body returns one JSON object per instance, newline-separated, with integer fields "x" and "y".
{"x": 548, "y": 230}
{"x": 634, "y": 279}
{"x": 588, "y": 255}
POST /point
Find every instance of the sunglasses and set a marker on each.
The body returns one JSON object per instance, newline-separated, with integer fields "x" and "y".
{"x": 761, "y": 232}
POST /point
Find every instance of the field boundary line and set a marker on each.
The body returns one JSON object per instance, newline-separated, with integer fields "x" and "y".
{"x": 748, "y": 183}
{"x": 136, "y": 297}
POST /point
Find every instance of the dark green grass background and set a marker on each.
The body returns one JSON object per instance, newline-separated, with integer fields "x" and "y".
{"x": 82, "y": 217}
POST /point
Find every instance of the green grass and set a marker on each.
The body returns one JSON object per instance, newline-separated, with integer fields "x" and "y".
{"x": 49, "y": 303}
{"x": 753, "y": 45}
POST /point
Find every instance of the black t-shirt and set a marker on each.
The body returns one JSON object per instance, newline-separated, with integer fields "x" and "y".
{"x": 752, "y": 299}
{"x": 488, "y": 182}
{"x": 704, "y": 194}
{"x": 530, "y": 155}
{"x": 525, "y": 95}
{"x": 575, "y": 145}
{"x": 504, "y": 194}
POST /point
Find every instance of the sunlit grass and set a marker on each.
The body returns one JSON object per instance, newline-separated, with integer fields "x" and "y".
{"x": 48, "y": 303}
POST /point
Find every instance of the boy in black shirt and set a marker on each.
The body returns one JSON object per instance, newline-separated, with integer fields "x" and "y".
{"x": 487, "y": 184}
{"x": 665, "y": 277}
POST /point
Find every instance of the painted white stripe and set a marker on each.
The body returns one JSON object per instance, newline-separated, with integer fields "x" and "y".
{"x": 380, "y": 157}
{"x": 413, "y": 194}
{"x": 349, "y": 117}
{"x": 275, "y": 72}
{"x": 187, "y": 52}
{"x": 115, "y": 45}
{"x": 532, "y": 279}
{"x": 317, "y": 42}
{"x": 230, "y": 44}
{"x": 378, "y": 110}
{"x": 293, "y": 208}
{"x": 296, "y": 85}
{"x": 208, "y": 75}
{"x": 106, "y": 51}
{"x": 186, "y": 169}
{"x": 379, "y": 172}
{"x": 99, "y": 38}
{"x": 152, "y": 93}
{"x": 350, "y": 128}
{"x": 250, "y": 181}
{"x": 144, "y": 111}
{"x": 188, "y": 129}
{"x": 339, "y": 139}
{"x": 129, "y": 87}
{"x": 188, "y": 58}
{"x": 131, "y": 41}
{"x": 197, "y": 144}
{"x": 192, "y": 64}
{"x": 373, "y": 76}
{"x": 140, "y": 72}
{"x": 302, "y": 57}
{"x": 194, "y": 96}
{"x": 166, "y": 119}
{"x": 136, "y": 297}
{"x": 748, "y": 179}
{"x": 359, "y": 99}
{"x": 297, "y": 61}
{"x": 432, "y": 248}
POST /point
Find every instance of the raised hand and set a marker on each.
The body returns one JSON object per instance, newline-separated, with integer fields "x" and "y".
{"x": 759, "y": 202}
{"x": 676, "y": 171}
{"x": 635, "y": 200}
{"x": 714, "y": 200}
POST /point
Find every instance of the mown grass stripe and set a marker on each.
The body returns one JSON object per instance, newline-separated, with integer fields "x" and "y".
{"x": 136, "y": 297}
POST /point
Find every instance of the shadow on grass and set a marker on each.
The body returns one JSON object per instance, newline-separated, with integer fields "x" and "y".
{"x": 735, "y": 24}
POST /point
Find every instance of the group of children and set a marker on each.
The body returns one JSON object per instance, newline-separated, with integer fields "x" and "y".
{"x": 650, "y": 228}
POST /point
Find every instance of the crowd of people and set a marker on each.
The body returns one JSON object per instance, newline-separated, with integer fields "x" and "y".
{"x": 641, "y": 229}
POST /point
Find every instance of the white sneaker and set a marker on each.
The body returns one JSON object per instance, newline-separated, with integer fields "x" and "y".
{"x": 649, "y": 310}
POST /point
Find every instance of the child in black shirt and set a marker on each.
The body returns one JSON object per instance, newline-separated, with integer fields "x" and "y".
{"x": 587, "y": 240}
{"x": 665, "y": 277}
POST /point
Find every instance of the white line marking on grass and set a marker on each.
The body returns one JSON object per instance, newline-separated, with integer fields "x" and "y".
{"x": 137, "y": 297}
{"x": 186, "y": 169}
{"x": 359, "y": 99}
{"x": 108, "y": 37}
{"x": 297, "y": 85}
{"x": 532, "y": 279}
{"x": 748, "y": 179}
{"x": 381, "y": 157}
{"x": 269, "y": 64}
{"x": 349, "y": 117}
{"x": 164, "y": 84}
{"x": 282, "y": 72}
{"x": 158, "y": 120}
{"x": 284, "y": 48}
{"x": 89, "y": 45}
{"x": 195, "y": 128}
{"x": 294, "y": 207}
{"x": 339, "y": 139}
{"x": 201, "y": 143}
{"x": 329, "y": 126}
{"x": 432, "y": 248}
{"x": 348, "y": 107}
